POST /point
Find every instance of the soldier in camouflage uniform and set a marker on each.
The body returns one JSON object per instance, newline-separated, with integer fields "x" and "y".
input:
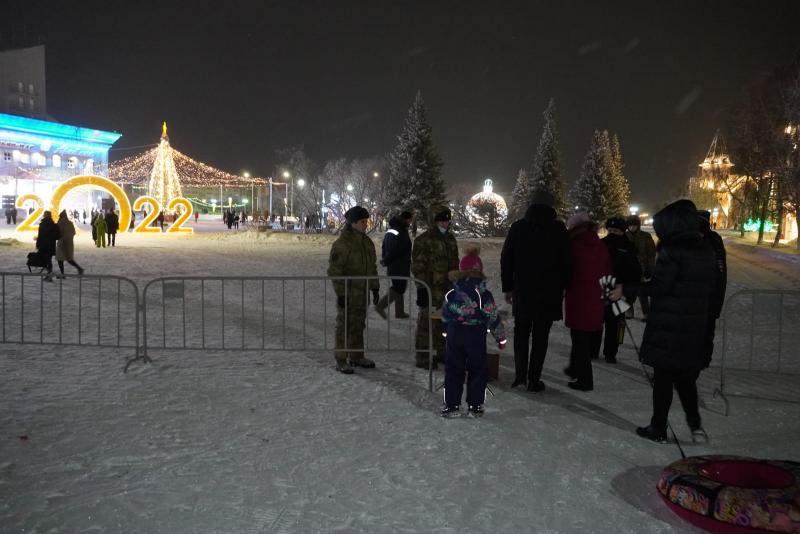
{"x": 353, "y": 254}
{"x": 435, "y": 253}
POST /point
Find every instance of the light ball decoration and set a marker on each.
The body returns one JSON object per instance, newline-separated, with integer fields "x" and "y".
{"x": 487, "y": 208}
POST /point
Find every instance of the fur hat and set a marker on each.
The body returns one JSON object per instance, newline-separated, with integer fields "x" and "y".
{"x": 442, "y": 215}
{"x": 471, "y": 260}
{"x": 578, "y": 218}
{"x": 355, "y": 214}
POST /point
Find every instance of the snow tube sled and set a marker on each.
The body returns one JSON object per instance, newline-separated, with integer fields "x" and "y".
{"x": 734, "y": 494}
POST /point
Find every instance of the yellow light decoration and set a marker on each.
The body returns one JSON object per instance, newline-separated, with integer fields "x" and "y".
{"x": 27, "y": 225}
{"x": 138, "y": 169}
{"x": 164, "y": 183}
{"x": 101, "y": 183}
{"x": 144, "y": 226}
{"x": 187, "y": 212}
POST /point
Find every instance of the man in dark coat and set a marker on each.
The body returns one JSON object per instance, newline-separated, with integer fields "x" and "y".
{"x": 721, "y": 280}
{"x": 396, "y": 257}
{"x": 46, "y": 240}
{"x": 433, "y": 255}
{"x": 626, "y": 270}
{"x": 674, "y": 341}
{"x": 534, "y": 271}
{"x": 112, "y": 225}
{"x": 353, "y": 254}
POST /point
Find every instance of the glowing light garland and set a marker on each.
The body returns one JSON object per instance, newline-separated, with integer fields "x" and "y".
{"x": 138, "y": 169}
{"x": 164, "y": 184}
{"x": 477, "y": 205}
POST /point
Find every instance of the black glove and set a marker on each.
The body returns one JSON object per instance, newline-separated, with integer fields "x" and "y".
{"x": 340, "y": 301}
{"x": 375, "y": 297}
{"x": 422, "y": 297}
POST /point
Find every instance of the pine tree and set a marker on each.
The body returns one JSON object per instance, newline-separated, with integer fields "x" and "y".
{"x": 617, "y": 190}
{"x": 520, "y": 197}
{"x": 415, "y": 167}
{"x": 588, "y": 191}
{"x": 545, "y": 173}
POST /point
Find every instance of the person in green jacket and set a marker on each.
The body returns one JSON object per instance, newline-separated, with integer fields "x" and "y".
{"x": 353, "y": 254}
{"x": 646, "y": 252}
{"x": 100, "y": 227}
{"x": 434, "y": 254}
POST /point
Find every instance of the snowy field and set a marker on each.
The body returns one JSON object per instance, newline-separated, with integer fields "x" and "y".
{"x": 277, "y": 441}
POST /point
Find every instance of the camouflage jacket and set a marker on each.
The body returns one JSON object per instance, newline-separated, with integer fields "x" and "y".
{"x": 353, "y": 254}
{"x": 433, "y": 256}
{"x": 645, "y": 251}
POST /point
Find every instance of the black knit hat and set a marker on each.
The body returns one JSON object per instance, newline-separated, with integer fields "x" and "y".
{"x": 442, "y": 215}
{"x": 617, "y": 222}
{"x": 540, "y": 196}
{"x": 355, "y": 214}
{"x": 634, "y": 220}
{"x": 704, "y": 214}
{"x": 407, "y": 215}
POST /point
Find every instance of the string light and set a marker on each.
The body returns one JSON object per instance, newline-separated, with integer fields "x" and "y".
{"x": 164, "y": 184}
{"x": 138, "y": 169}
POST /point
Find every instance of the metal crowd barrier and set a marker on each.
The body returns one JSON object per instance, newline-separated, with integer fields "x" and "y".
{"x": 88, "y": 310}
{"x": 760, "y": 356}
{"x": 275, "y": 313}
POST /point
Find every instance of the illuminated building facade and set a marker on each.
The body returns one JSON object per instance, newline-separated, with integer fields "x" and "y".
{"x": 37, "y": 155}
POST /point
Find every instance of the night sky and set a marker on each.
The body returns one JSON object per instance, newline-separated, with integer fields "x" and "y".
{"x": 236, "y": 81}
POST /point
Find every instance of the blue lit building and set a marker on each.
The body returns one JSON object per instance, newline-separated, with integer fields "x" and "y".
{"x": 37, "y": 155}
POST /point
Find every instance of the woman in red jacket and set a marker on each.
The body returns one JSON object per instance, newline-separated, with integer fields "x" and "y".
{"x": 583, "y": 302}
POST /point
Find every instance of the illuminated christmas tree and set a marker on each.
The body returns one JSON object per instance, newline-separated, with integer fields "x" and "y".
{"x": 164, "y": 184}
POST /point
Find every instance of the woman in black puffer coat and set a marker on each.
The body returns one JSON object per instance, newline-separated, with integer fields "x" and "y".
{"x": 680, "y": 290}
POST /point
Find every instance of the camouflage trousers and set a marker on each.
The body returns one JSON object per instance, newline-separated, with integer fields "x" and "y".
{"x": 350, "y": 331}
{"x": 422, "y": 336}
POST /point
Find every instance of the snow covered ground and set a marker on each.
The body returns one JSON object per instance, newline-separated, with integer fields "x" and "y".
{"x": 232, "y": 441}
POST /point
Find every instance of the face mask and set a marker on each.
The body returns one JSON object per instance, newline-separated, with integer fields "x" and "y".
{"x": 441, "y": 230}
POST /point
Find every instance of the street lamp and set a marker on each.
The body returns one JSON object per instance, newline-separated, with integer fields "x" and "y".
{"x": 301, "y": 182}
{"x": 287, "y": 176}
{"x": 349, "y": 187}
{"x": 634, "y": 210}
{"x": 375, "y": 174}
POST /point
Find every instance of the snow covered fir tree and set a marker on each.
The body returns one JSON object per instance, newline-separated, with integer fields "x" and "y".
{"x": 545, "y": 172}
{"x": 617, "y": 191}
{"x": 602, "y": 189}
{"x": 520, "y": 196}
{"x": 415, "y": 167}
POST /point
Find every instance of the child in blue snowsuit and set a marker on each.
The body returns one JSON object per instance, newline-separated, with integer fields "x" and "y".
{"x": 468, "y": 313}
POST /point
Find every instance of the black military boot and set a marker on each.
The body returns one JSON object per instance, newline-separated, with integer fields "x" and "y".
{"x": 399, "y": 312}
{"x": 380, "y": 307}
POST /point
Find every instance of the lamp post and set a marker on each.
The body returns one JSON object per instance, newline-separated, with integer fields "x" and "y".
{"x": 288, "y": 176}
{"x": 270, "y": 198}
{"x": 247, "y": 176}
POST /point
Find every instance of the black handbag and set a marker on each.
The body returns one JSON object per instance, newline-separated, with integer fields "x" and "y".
{"x": 36, "y": 260}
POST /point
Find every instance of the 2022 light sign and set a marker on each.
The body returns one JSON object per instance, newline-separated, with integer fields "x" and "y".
{"x": 121, "y": 199}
